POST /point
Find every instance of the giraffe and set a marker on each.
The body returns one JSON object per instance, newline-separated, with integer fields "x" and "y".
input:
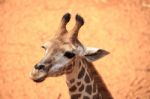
{"x": 65, "y": 54}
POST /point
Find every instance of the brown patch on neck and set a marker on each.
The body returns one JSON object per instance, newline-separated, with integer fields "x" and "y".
{"x": 87, "y": 78}
{"x": 86, "y": 97}
{"x": 81, "y": 73}
{"x": 89, "y": 89}
{"x": 73, "y": 88}
{"x": 79, "y": 83}
{"x": 75, "y": 96}
{"x": 81, "y": 88}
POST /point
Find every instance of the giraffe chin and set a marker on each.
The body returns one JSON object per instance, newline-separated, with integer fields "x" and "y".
{"x": 39, "y": 80}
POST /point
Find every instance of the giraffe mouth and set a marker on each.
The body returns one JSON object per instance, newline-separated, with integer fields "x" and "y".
{"x": 38, "y": 76}
{"x": 39, "y": 80}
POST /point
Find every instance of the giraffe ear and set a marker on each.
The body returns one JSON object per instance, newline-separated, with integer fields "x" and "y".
{"x": 93, "y": 54}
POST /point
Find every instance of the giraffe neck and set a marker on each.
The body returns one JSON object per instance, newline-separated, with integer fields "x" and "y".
{"x": 80, "y": 82}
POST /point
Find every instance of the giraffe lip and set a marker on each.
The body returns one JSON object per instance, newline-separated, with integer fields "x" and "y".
{"x": 39, "y": 80}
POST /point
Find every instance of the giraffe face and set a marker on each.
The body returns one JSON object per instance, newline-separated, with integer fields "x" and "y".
{"x": 61, "y": 53}
{"x": 57, "y": 60}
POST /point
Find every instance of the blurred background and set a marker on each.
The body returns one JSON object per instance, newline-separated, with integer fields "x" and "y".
{"x": 121, "y": 27}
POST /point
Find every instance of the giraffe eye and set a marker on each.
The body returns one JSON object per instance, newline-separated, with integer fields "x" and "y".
{"x": 69, "y": 54}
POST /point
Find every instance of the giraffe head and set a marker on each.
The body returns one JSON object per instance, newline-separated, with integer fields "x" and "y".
{"x": 61, "y": 52}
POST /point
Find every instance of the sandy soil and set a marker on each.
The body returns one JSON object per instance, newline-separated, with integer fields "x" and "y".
{"x": 120, "y": 26}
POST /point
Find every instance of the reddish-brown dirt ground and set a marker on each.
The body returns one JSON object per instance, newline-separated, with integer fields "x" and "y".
{"x": 121, "y": 27}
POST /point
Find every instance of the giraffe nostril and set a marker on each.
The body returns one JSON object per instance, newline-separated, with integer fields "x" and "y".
{"x": 39, "y": 66}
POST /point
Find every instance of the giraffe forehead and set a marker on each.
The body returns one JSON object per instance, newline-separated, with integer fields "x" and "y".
{"x": 62, "y": 48}
{"x": 55, "y": 50}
